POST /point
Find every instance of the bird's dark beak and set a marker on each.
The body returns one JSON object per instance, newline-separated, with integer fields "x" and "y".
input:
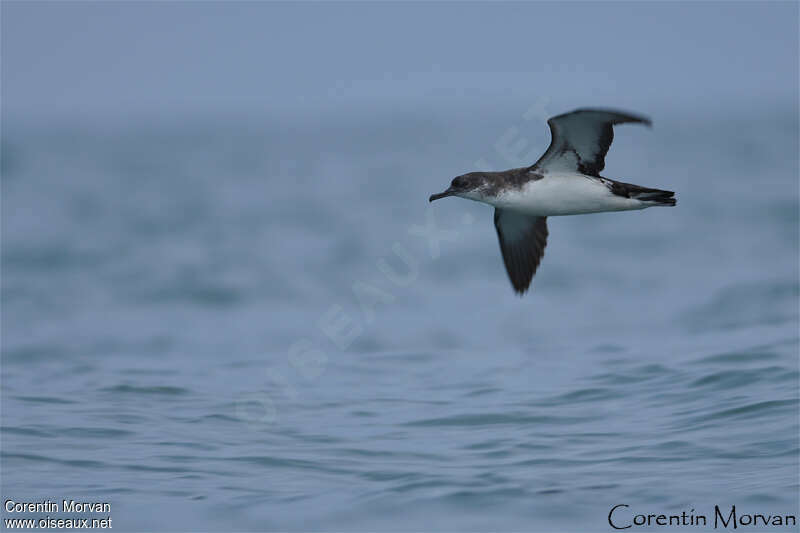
{"x": 448, "y": 192}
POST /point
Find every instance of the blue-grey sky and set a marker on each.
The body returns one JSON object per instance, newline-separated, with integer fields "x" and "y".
{"x": 118, "y": 59}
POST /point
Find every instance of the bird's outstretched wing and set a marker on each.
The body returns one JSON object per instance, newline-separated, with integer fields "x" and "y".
{"x": 580, "y": 140}
{"x": 522, "y": 241}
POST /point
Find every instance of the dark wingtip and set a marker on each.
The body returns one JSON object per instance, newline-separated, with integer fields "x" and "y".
{"x": 521, "y": 286}
{"x": 627, "y": 115}
{"x": 640, "y": 119}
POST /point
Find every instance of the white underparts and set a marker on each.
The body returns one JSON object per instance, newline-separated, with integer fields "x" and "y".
{"x": 560, "y": 194}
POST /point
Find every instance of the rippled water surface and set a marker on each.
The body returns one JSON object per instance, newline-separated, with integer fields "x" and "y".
{"x": 263, "y": 324}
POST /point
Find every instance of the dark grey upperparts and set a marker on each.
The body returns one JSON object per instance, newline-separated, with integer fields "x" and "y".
{"x": 512, "y": 179}
{"x": 489, "y": 183}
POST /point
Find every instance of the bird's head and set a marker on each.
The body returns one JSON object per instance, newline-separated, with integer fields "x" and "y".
{"x": 465, "y": 186}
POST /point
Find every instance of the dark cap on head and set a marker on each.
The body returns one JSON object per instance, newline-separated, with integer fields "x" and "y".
{"x": 459, "y": 184}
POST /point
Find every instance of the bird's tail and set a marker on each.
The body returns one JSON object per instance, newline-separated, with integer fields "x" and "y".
{"x": 644, "y": 194}
{"x": 656, "y": 196}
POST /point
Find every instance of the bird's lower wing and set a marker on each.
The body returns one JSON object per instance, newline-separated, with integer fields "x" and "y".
{"x": 522, "y": 242}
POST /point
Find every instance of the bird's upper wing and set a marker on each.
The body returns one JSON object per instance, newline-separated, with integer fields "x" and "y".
{"x": 580, "y": 140}
{"x": 522, "y": 241}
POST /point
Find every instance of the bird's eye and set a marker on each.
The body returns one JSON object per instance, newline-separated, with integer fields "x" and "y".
{"x": 457, "y": 182}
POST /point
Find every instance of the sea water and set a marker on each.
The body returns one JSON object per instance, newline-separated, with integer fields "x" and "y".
{"x": 262, "y": 324}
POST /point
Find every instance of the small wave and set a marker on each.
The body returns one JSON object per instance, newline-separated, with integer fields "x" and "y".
{"x": 493, "y": 419}
{"x": 133, "y": 389}
{"x": 744, "y": 412}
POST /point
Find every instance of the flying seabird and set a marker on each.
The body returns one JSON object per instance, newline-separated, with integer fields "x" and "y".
{"x": 565, "y": 180}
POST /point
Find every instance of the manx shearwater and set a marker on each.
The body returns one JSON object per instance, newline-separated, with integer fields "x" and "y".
{"x": 565, "y": 180}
